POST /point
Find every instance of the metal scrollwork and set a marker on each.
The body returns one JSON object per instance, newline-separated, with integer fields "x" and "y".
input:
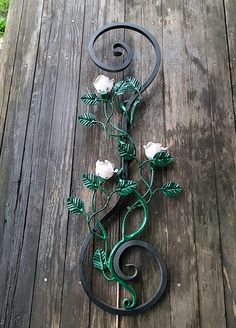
{"x": 108, "y": 262}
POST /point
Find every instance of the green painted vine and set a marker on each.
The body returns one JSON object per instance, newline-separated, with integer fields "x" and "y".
{"x": 158, "y": 157}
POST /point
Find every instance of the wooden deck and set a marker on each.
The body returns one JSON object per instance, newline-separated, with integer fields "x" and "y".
{"x": 45, "y": 68}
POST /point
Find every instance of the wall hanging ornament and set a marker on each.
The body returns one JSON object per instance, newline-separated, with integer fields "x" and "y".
{"x": 106, "y": 259}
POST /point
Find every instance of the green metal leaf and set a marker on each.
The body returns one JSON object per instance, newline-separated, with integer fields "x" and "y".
{"x": 133, "y": 84}
{"x": 120, "y": 88}
{"x": 75, "y": 205}
{"x": 99, "y": 259}
{"x": 87, "y": 119}
{"x": 127, "y": 151}
{"x": 130, "y": 83}
{"x": 171, "y": 189}
{"x": 90, "y": 99}
{"x": 92, "y": 181}
{"x": 126, "y": 187}
{"x": 117, "y": 86}
{"x": 161, "y": 159}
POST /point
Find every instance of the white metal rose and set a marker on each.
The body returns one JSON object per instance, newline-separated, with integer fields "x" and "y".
{"x": 103, "y": 84}
{"x": 105, "y": 169}
{"x": 152, "y": 148}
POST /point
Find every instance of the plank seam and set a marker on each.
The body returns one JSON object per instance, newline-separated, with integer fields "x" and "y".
{"x": 229, "y": 60}
{"x": 164, "y": 173}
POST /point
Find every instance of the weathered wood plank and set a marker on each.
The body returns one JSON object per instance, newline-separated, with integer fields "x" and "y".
{"x": 149, "y": 119}
{"x": 7, "y": 59}
{"x": 36, "y": 157}
{"x": 201, "y": 158}
{"x": 181, "y": 243}
{"x": 12, "y": 57}
{"x": 12, "y": 152}
{"x": 153, "y": 126}
{"x": 76, "y": 305}
{"x": 48, "y": 287}
{"x": 223, "y": 127}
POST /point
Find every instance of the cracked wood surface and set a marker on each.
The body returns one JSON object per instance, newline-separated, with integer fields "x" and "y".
{"x": 190, "y": 107}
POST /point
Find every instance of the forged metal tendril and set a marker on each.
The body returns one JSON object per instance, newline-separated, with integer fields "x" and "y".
{"x": 105, "y": 260}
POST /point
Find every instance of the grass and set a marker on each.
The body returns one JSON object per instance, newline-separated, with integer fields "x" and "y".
{"x": 4, "y": 4}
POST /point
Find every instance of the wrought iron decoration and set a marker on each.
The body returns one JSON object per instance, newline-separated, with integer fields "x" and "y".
{"x": 107, "y": 258}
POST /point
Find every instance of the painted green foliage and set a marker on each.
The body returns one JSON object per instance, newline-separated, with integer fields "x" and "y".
{"x": 99, "y": 259}
{"x": 75, "y": 205}
{"x": 92, "y": 181}
{"x": 162, "y": 159}
{"x": 87, "y": 119}
{"x": 126, "y": 146}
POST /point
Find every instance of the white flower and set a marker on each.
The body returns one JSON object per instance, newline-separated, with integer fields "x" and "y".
{"x": 103, "y": 84}
{"x": 105, "y": 169}
{"x": 152, "y": 148}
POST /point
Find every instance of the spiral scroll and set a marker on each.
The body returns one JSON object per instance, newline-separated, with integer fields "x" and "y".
{"x": 118, "y": 49}
{"x": 128, "y": 51}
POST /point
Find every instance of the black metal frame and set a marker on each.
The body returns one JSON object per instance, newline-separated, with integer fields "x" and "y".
{"x": 121, "y": 202}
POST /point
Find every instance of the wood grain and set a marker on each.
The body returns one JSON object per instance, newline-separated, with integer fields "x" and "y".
{"x": 48, "y": 286}
{"x": 180, "y": 225}
{"x": 154, "y": 130}
{"x": 190, "y": 107}
{"x": 149, "y": 117}
{"x": 223, "y": 129}
{"x": 14, "y": 182}
{"x": 35, "y": 160}
{"x": 7, "y": 57}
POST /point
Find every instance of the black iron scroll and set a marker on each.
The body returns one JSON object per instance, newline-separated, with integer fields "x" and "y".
{"x": 118, "y": 49}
